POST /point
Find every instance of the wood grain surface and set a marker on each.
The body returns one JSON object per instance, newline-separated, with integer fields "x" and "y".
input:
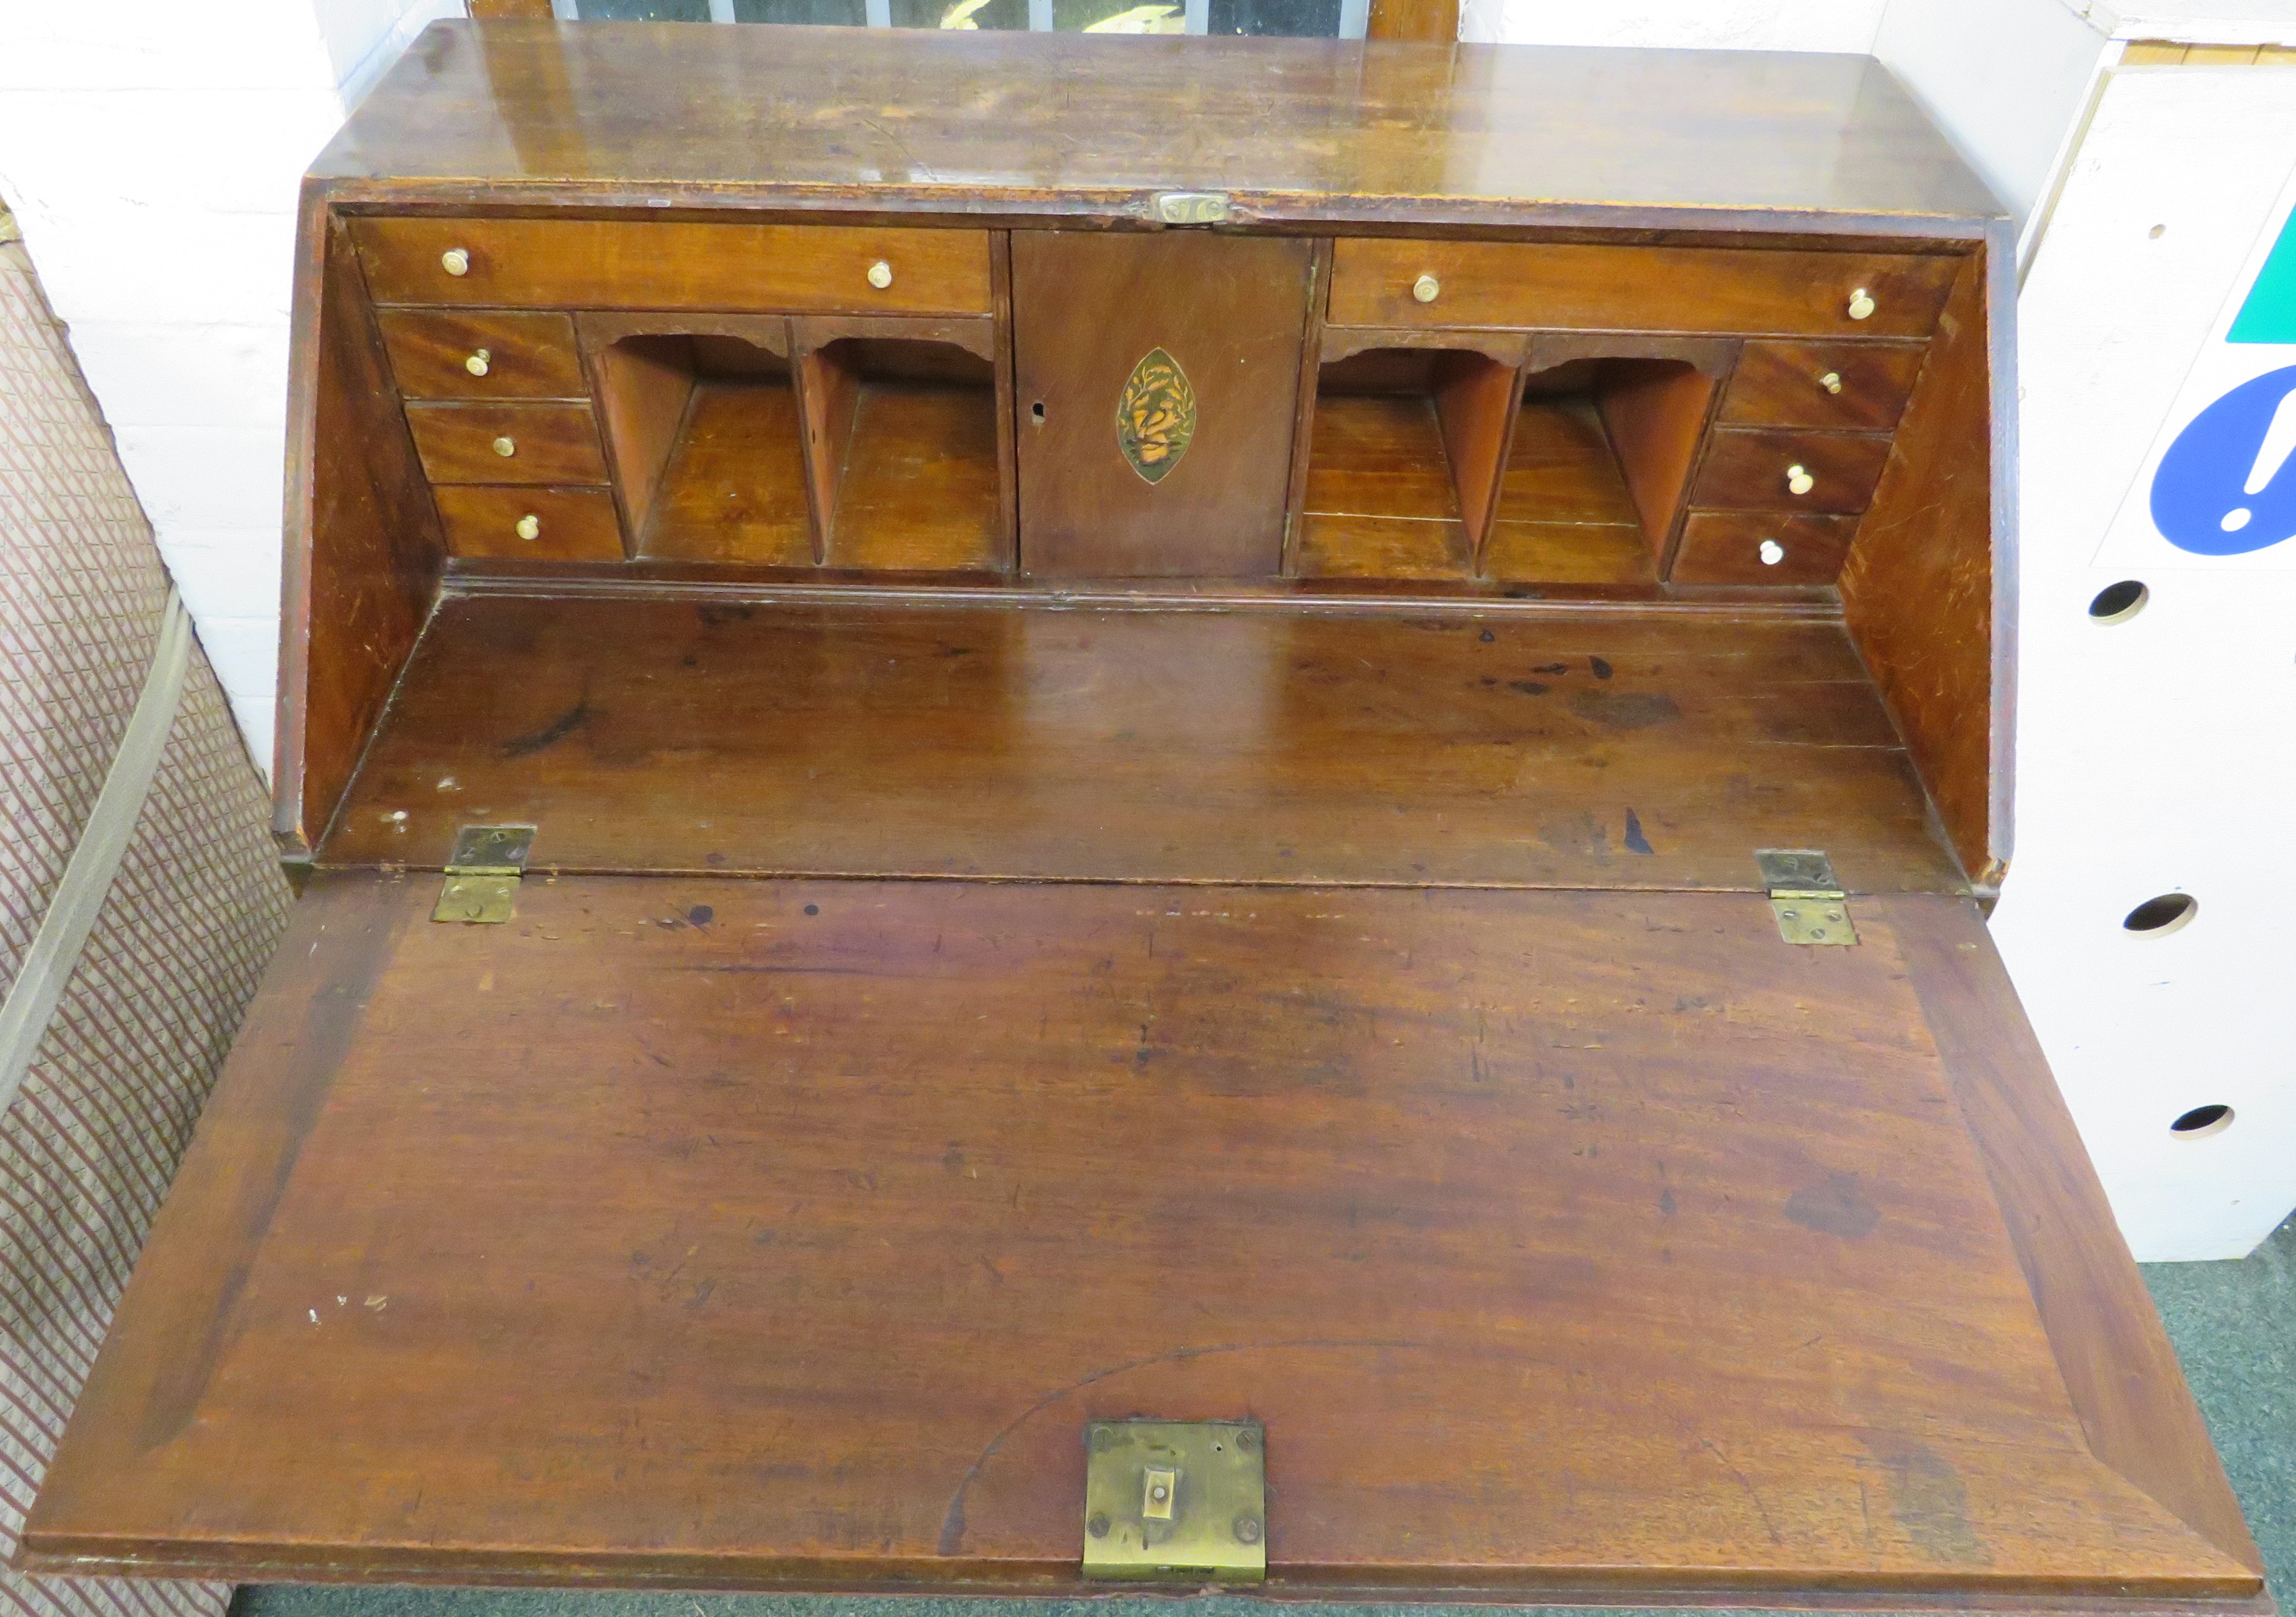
{"x": 526, "y": 356}
{"x": 1726, "y": 548}
{"x": 1748, "y": 469}
{"x": 787, "y": 1234}
{"x": 870, "y": 738}
{"x": 1585, "y": 287}
{"x": 1778, "y": 384}
{"x": 1231, "y": 313}
{"x": 664, "y": 264}
{"x": 546, "y": 442}
{"x": 1292, "y": 130}
{"x": 733, "y": 488}
{"x": 1918, "y": 589}
{"x": 572, "y": 524}
{"x": 364, "y": 551}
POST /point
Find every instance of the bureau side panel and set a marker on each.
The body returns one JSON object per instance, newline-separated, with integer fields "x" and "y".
{"x": 1917, "y": 590}
{"x": 364, "y": 549}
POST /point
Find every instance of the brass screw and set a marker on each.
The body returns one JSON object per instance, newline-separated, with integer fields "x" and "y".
{"x": 1097, "y": 1526}
{"x": 1102, "y": 1438}
{"x": 1243, "y": 1440}
{"x": 1247, "y": 1528}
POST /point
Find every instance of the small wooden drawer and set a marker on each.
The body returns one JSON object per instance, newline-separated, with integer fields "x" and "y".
{"x": 507, "y": 443}
{"x": 1751, "y": 470}
{"x": 1571, "y": 287}
{"x": 567, "y": 524}
{"x": 1761, "y": 547}
{"x": 1847, "y": 387}
{"x": 623, "y": 264}
{"x": 442, "y": 354}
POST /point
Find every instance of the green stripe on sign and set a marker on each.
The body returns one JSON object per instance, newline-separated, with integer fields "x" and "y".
{"x": 2269, "y": 314}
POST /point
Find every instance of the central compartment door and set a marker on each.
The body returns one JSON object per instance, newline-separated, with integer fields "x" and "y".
{"x": 1158, "y": 376}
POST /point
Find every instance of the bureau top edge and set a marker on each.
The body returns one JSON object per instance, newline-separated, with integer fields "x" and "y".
{"x": 1292, "y": 131}
{"x": 1141, "y": 209}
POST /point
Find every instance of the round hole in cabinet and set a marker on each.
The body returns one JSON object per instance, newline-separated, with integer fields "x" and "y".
{"x": 2159, "y": 916}
{"x": 2119, "y": 602}
{"x": 2202, "y": 1121}
{"x": 1037, "y": 413}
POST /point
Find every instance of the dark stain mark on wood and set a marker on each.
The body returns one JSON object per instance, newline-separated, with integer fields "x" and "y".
{"x": 550, "y": 734}
{"x": 1927, "y": 1500}
{"x": 1625, "y": 709}
{"x": 1552, "y": 668}
{"x": 1838, "y": 1207}
{"x": 1601, "y": 667}
{"x": 1528, "y": 687}
{"x": 1636, "y": 842}
{"x": 701, "y": 914}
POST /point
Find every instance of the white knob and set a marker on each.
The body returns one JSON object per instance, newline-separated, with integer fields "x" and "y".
{"x": 506, "y": 449}
{"x": 529, "y": 526}
{"x": 476, "y": 365}
{"x": 1831, "y": 381}
{"x": 881, "y": 275}
{"x": 1800, "y": 480}
{"x": 454, "y": 261}
{"x": 1426, "y": 289}
{"x": 1772, "y": 553}
{"x": 1861, "y": 304}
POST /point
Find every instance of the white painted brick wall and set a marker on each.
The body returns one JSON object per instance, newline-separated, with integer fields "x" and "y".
{"x": 151, "y": 151}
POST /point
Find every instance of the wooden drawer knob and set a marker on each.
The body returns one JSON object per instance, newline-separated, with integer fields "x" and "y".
{"x": 529, "y": 527}
{"x": 1831, "y": 381}
{"x": 881, "y": 275}
{"x": 477, "y": 363}
{"x": 1861, "y": 304}
{"x": 1771, "y": 551}
{"x": 1798, "y": 478}
{"x": 504, "y": 448}
{"x": 1426, "y": 289}
{"x": 454, "y": 261}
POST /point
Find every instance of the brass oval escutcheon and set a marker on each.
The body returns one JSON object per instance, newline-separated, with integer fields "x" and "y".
{"x": 1155, "y": 415}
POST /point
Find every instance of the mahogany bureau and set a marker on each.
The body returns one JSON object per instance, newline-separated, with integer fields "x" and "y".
{"x": 1206, "y": 811}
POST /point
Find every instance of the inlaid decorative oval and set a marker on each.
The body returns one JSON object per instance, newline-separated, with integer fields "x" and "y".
{"x": 1155, "y": 415}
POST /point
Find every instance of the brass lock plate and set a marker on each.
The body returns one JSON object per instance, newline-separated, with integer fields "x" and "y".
{"x": 1183, "y": 1502}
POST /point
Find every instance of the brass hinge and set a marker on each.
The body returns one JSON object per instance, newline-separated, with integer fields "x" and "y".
{"x": 482, "y": 885}
{"x": 1186, "y": 1503}
{"x": 1804, "y": 896}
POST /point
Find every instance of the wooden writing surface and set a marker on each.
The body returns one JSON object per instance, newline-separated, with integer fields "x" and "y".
{"x": 784, "y": 1234}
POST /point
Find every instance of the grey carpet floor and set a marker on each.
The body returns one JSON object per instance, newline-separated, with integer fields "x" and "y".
{"x": 2234, "y": 1325}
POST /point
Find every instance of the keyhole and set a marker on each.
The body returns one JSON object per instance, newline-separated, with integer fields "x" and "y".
{"x": 1037, "y": 412}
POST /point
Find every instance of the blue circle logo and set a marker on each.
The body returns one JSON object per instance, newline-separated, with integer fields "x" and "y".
{"x": 2227, "y": 485}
